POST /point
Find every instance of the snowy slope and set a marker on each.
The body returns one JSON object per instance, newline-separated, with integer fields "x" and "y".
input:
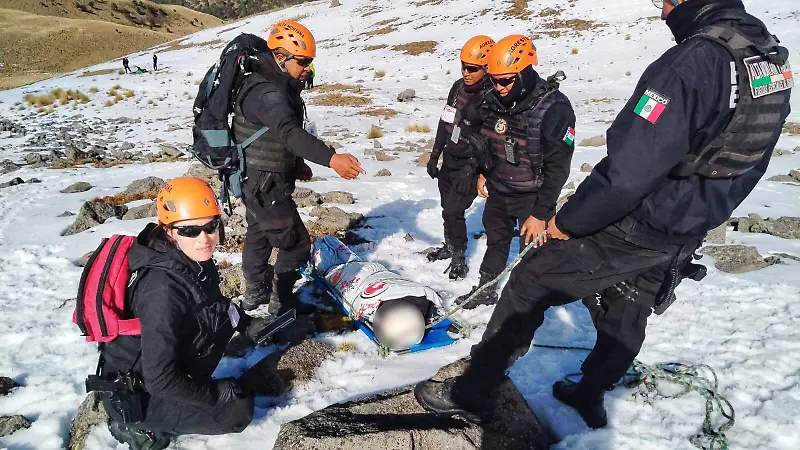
{"x": 742, "y": 325}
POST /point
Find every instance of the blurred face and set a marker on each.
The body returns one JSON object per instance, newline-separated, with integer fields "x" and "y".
{"x": 503, "y": 83}
{"x": 472, "y": 74}
{"x": 197, "y": 238}
{"x": 296, "y": 66}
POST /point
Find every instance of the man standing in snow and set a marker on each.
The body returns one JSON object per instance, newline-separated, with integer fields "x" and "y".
{"x": 271, "y": 97}
{"x": 529, "y": 126}
{"x": 126, "y": 66}
{"x": 155, "y": 62}
{"x": 459, "y": 171}
{"x": 684, "y": 152}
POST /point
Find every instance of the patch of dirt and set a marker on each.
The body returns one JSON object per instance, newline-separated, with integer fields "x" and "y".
{"x": 375, "y": 47}
{"x": 791, "y": 128}
{"x": 416, "y": 48}
{"x": 386, "y": 113}
{"x": 339, "y": 99}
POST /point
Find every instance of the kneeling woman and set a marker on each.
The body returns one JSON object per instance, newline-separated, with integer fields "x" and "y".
{"x": 186, "y": 324}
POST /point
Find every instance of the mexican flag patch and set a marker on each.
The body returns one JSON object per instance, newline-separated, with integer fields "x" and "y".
{"x": 651, "y": 105}
{"x": 569, "y": 137}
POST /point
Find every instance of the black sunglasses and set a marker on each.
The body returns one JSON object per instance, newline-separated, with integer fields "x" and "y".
{"x": 302, "y": 62}
{"x": 503, "y": 81}
{"x": 192, "y": 231}
{"x": 470, "y": 68}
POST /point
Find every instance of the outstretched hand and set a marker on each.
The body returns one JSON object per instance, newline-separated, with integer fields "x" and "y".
{"x": 347, "y": 166}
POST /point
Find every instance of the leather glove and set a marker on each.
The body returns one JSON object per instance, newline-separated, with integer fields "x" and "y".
{"x": 433, "y": 167}
{"x": 464, "y": 180}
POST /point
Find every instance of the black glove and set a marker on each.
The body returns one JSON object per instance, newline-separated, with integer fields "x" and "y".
{"x": 229, "y": 390}
{"x": 465, "y": 181}
{"x": 256, "y": 327}
{"x": 433, "y": 167}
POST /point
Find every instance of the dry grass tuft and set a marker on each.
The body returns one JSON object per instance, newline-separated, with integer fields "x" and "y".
{"x": 416, "y": 48}
{"x": 334, "y": 87}
{"x": 518, "y": 9}
{"x": 92, "y": 73}
{"x": 58, "y": 95}
{"x": 94, "y": 90}
{"x": 386, "y": 113}
{"x": 379, "y": 31}
{"x": 370, "y": 48}
{"x": 550, "y": 12}
{"x": 574, "y": 51}
{"x": 375, "y": 132}
{"x": 339, "y": 99}
{"x": 627, "y": 37}
{"x": 109, "y": 103}
{"x": 418, "y": 128}
{"x": 380, "y": 73}
{"x": 428, "y": 2}
{"x": 347, "y": 346}
{"x": 791, "y": 128}
{"x": 122, "y": 198}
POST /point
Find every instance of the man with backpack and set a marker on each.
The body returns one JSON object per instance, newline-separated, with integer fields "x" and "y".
{"x": 270, "y": 97}
{"x": 690, "y": 145}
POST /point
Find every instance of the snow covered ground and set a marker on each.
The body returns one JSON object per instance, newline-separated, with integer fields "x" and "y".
{"x": 742, "y": 325}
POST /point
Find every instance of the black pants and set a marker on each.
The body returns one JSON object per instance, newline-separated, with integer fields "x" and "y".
{"x": 500, "y": 218}
{"x": 560, "y": 273}
{"x": 455, "y": 203}
{"x": 272, "y": 222}
{"x": 127, "y": 69}
{"x": 155, "y": 66}
{"x": 170, "y": 417}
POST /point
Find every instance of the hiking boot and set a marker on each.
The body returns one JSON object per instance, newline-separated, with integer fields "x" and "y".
{"x": 283, "y": 298}
{"x": 438, "y": 397}
{"x": 487, "y": 296}
{"x": 137, "y": 439}
{"x": 255, "y": 295}
{"x": 443, "y": 252}
{"x": 458, "y": 266}
{"x": 587, "y": 401}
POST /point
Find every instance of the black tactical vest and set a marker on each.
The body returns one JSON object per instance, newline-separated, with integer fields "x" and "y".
{"x": 765, "y": 83}
{"x": 265, "y": 153}
{"x": 457, "y": 153}
{"x": 515, "y": 142}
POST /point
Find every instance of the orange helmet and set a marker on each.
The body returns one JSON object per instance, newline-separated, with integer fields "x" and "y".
{"x": 185, "y": 198}
{"x": 295, "y": 38}
{"x": 512, "y": 54}
{"x": 476, "y": 50}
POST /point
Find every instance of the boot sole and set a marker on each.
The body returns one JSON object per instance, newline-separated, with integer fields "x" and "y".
{"x": 466, "y": 415}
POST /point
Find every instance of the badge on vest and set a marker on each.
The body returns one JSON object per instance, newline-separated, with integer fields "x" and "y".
{"x": 501, "y": 126}
{"x": 651, "y": 105}
{"x": 456, "y": 134}
{"x": 569, "y": 137}
{"x": 766, "y": 77}
{"x": 449, "y": 114}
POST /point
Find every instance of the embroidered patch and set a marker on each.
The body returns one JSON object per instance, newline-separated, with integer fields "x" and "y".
{"x": 651, "y": 105}
{"x": 501, "y": 126}
{"x": 569, "y": 137}
{"x": 767, "y": 78}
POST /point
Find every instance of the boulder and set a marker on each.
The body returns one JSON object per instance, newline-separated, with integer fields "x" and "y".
{"x": 305, "y": 197}
{"x": 282, "y": 371}
{"x": 586, "y": 167}
{"x": 11, "y": 424}
{"x": 143, "y": 187}
{"x": 423, "y": 159}
{"x": 784, "y": 227}
{"x": 83, "y": 260}
{"x": 6, "y": 385}
{"x": 570, "y": 185}
{"x": 93, "y": 213}
{"x": 33, "y": 158}
{"x": 596, "y": 141}
{"x": 340, "y": 197}
{"x": 125, "y": 146}
{"x": 331, "y": 219}
{"x": 717, "y": 235}
{"x": 376, "y": 144}
{"x": 74, "y": 154}
{"x": 13, "y": 182}
{"x": 7, "y": 166}
{"x": 383, "y": 173}
{"x": 394, "y": 420}
{"x": 80, "y": 186}
{"x": 204, "y": 173}
{"x": 335, "y": 3}
{"x": 66, "y": 214}
{"x": 563, "y": 199}
{"x": 406, "y": 95}
{"x": 737, "y": 258}
{"x": 141, "y": 212}
{"x": 169, "y": 150}
{"x": 384, "y": 157}
{"x": 90, "y": 414}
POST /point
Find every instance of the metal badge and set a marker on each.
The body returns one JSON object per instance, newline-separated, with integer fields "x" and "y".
{"x": 501, "y": 126}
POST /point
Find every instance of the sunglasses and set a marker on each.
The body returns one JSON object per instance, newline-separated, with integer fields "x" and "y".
{"x": 503, "y": 81}
{"x": 470, "y": 68}
{"x": 192, "y": 231}
{"x": 660, "y": 3}
{"x": 302, "y": 62}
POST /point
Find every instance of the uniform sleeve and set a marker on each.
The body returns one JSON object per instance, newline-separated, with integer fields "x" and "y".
{"x": 441, "y": 130}
{"x": 271, "y": 107}
{"x": 647, "y": 139}
{"x": 161, "y": 309}
{"x": 558, "y": 131}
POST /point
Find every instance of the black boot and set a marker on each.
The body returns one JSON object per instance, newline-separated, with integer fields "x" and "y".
{"x": 255, "y": 295}
{"x": 458, "y": 266}
{"x": 443, "y": 252}
{"x": 283, "y": 298}
{"x": 487, "y": 296}
{"x": 586, "y": 400}
{"x": 441, "y": 398}
{"x": 137, "y": 439}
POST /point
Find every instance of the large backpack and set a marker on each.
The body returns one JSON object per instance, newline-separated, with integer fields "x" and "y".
{"x": 100, "y": 305}
{"x": 214, "y": 144}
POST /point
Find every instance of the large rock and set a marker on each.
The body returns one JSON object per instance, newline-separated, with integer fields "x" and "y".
{"x": 6, "y": 385}
{"x": 90, "y": 414}
{"x": 11, "y": 424}
{"x": 143, "y": 187}
{"x": 383, "y": 173}
{"x": 384, "y": 157}
{"x": 141, "y": 212}
{"x": 305, "y": 197}
{"x": 737, "y": 258}
{"x": 406, "y": 95}
{"x": 282, "y": 371}
{"x": 717, "y": 235}
{"x": 394, "y": 420}
{"x": 33, "y": 158}
{"x": 13, "y": 182}
{"x": 784, "y": 227}
{"x": 423, "y": 159}
{"x": 331, "y": 219}
{"x": 231, "y": 280}
{"x": 340, "y": 197}
{"x": 204, "y": 173}
{"x": 93, "y": 213}
{"x": 335, "y": 3}
{"x": 596, "y": 141}
{"x": 563, "y": 199}
{"x": 169, "y": 150}
{"x": 586, "y": 167}
{"x": 80, "y": 186}
{"x": 7, "y": 166}
{"x": 74, "y": 154}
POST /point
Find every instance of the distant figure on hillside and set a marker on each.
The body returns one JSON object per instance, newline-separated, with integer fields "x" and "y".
{"x": 125, "y": 65}
{"x": 310, "y": 77}
{"x": 155, "y": 62}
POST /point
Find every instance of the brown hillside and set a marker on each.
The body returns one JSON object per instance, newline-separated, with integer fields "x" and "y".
{"x": 46, "y": 37}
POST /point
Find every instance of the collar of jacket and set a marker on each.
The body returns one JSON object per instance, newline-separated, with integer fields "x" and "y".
{"x": 690, "y": 17}
{"x": 522, "y": 97}
{"x": 482, "y": 85}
